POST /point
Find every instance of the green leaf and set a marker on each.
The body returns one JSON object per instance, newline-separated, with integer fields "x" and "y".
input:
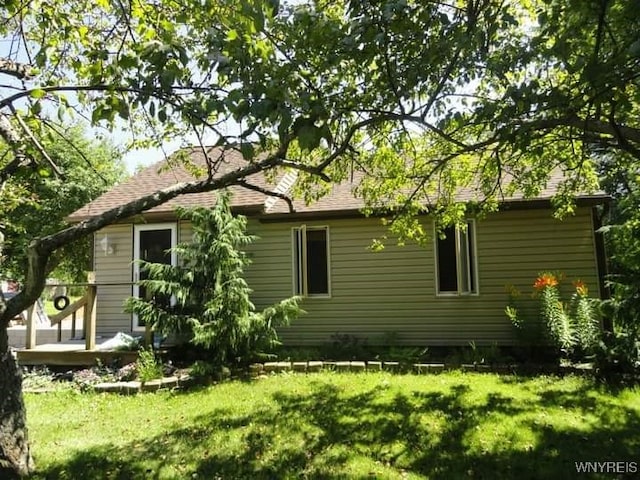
{"x": 309, "y": 136}
{"x": 36, "y": 108}
{"x": 285, "y": 123}
{"x": 37, "y": 93}
{"x": 247, "y": 150}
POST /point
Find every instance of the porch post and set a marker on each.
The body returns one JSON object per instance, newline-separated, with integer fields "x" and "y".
{"x": 148, "y": 335}
{"x": 90, "y": 318}
{"x": 31, "y": 328}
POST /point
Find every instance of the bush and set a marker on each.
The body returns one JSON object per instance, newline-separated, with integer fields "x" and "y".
{"x": 299, "y": 354}
{"x": 618, "y": 353}
{"x": 206, "y": 298}
{"x": 208, "y": 370}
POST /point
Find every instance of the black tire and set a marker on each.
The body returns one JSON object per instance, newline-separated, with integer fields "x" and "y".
{"x": 61, "y": 302}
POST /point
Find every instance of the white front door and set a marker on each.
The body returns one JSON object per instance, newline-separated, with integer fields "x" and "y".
{"x": 152, "y": 243}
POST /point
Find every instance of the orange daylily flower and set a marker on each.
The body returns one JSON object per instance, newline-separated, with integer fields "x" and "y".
{"x": 581, "y": 288}
{"x": 545, "y": 280}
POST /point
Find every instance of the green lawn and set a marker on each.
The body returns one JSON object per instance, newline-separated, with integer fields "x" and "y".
{"x": 333, "y": 425}
{"x": 50, "y": 310}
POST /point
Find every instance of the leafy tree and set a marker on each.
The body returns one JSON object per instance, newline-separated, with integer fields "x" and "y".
{"x": 422, "y": 96}
{"x": 37, "y": 203}
{"x": 621, "y": 178}
{"x": 212, "y": 305}
{"x": 620, "y": 349}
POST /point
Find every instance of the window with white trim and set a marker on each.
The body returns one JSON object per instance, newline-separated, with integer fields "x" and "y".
{"x": 311, "y": 261}
{"x": 456, "y": 261}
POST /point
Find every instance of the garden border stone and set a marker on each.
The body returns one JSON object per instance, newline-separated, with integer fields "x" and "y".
{"x": 259, "y": 370}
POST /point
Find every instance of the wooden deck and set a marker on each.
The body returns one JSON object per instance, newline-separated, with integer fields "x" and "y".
{"x": 71, "y": 353}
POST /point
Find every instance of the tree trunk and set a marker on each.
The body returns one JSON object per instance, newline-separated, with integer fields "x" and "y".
{"x": 15, "y": 456}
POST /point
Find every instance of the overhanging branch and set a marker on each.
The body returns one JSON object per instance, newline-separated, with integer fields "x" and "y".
{"x": 21, "y": 71}
{"x": 305, "y": 168}
{"x": 34, "y": 141}
{"x": 11, "y": 137}
{"x": 41, "y": 249}
{"x": 271, "y": 193}
{"x": 630, "y": 134}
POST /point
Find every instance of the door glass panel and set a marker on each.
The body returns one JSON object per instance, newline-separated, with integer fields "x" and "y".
{"x": 155, "y": 247}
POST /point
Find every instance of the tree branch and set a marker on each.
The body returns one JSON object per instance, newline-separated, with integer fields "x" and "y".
{"x": 35, "y": 142}
{"x": 18, "y": 70}
{"x": 41, "y": 249}
{"x": 5, "y": 102}
{"x": 629, "y": 134}
{"x": 271, "y": 193}
{"x": 305, "y": 168}
{"x": 9, "y": 134}
{"x": 74, "y": 147}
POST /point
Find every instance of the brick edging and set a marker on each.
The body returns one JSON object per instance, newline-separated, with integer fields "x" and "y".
{"x": 258, "y": 369}
{"x": 133, "y": 387}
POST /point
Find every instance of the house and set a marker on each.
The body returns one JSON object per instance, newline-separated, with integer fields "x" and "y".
{"x": 450, "y": 292}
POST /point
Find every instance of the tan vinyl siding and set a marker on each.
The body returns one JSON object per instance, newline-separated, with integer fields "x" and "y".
{"x": 185, "y": 232}
{"x": 118, "y": 268}
{"x": 393, "y": 291}
{"x": 110, "y": 269}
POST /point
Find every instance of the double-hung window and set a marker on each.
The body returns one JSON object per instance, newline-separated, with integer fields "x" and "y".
{"x": 456, "y": 260}
{"x": 311, "y": 261}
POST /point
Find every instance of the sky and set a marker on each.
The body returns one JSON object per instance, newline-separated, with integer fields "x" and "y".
{"x": 144, "y": 158}
{"x": 141, "y": 158}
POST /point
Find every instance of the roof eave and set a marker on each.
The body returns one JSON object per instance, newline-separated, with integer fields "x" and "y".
{"x": 250, "y": 209}
{"x": 536, "y": 203}
{"x": 511, "y": 204}
{"x": 257, "y": 210}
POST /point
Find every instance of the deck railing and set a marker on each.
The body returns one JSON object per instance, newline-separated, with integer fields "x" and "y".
{"x": 88, "y": 302}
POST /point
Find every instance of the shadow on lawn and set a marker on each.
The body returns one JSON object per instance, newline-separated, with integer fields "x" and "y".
{"x": 380, "y": 433}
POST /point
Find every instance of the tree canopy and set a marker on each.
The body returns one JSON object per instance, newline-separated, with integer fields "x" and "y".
{"x": 421, "y": 96}
{"x": 460, "y": 90}
{"x": 36, "y": 203}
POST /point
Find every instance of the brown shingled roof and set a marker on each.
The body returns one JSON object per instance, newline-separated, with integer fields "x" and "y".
{"x": 160, "y": 175}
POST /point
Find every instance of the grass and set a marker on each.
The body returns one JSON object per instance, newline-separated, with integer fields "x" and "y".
{"x": 51, "y": 310}
{"x": 332, "y": 425}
